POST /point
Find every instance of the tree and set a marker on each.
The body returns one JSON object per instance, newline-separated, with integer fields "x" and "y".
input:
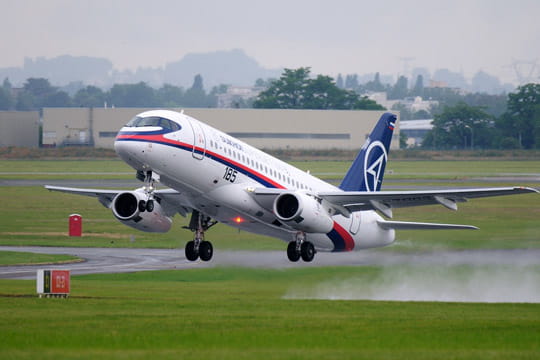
{"x": 351, "y": 82}
{"x": 418, "y": 89}
{"x": 522, "y": 119}
{"x": 339, "y": 82}
{"x": 132, "y": 95}
{"x": 461, "y": 127}
{"x": 195, "y": 96}
{"x": 6, "y": 98}
{"x": 296, "y": 90}
{"x": 6, "y": 85}
{"x": 375, "y": 85}
{"x": 89, "y": 96}
{"x": 400, "y": 89}
{"x": 287, "y": 92}
{"x": 34, "y": 94}
{"x": 170, "y": 95}
{"x": 57, "y": 99}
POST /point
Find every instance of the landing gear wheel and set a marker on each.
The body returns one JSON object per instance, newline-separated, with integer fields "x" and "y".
{"x": 142, "y": 206}
{"x": 292, "y": 253}
{"x": 206, "y": 250}
{"x": 307, "y": 251}
{"x": 150, "y": 205}
{"x": 191, "y": 253}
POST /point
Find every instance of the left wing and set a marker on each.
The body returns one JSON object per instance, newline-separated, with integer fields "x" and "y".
{"x": 384, "y": 201}
{"x": 346, "y": 202}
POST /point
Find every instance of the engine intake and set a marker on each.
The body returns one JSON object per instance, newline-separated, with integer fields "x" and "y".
{"x": 302, "y": 212}
{"x": 125, "y": 207}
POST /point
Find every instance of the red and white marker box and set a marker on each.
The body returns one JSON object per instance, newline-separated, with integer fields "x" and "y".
{"x": 53, "y": 283}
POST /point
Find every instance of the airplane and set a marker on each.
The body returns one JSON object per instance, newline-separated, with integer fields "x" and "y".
{"x": 218, "y": 178}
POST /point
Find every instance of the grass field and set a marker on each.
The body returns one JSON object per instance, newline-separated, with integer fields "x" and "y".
{"x": 230, "y": 313}
{"x": 233, "y": 313}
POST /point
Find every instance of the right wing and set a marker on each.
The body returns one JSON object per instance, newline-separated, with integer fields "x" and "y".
{"x": 171, "y": 200}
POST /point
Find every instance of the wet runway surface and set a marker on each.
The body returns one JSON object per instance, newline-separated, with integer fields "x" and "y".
{"x": 105, "y": 260}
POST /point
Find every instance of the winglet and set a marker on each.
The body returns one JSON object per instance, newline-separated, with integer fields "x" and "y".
{"x": 367, "y": 171}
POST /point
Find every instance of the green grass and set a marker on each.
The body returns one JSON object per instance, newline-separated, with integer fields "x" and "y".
{"x": 230, "y": 313}
{"x": 25, "y": 258}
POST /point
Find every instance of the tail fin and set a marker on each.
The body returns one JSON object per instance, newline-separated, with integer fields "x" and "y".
{"x": 367, "y": 171}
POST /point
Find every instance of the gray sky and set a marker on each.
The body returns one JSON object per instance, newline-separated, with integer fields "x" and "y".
{"x": 331, "y": 36}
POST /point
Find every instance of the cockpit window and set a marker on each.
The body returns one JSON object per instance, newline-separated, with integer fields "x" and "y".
{"x": 167, "y": 124}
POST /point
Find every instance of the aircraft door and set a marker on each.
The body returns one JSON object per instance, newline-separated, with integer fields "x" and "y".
{"x": 355, "y": 223}
{"x": 199, "y": 140}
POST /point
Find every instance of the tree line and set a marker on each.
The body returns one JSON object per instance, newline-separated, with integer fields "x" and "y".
{"x": 462, "y": 126}
{"x": 469, "y": 121}
{"x": 38, "y": 93}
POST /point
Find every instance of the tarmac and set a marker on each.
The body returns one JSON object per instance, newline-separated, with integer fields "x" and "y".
{"x": 118, "y": 260}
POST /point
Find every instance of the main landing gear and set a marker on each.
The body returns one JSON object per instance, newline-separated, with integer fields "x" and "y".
{"x": 149, "y": 188}
{"x": 198, "y": 247}
{"x": 300, "y": 248}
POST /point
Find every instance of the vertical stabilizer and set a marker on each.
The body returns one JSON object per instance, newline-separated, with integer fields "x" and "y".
{"x": 367, "y": 170}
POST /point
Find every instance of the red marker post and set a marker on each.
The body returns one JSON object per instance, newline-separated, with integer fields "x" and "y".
{"x": 75, "y": 225}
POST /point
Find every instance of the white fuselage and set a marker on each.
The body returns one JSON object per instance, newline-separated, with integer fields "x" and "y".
{"x": 215, "y": 174}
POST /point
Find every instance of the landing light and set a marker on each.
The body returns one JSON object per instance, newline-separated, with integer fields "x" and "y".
{"x": 238, "y": 220}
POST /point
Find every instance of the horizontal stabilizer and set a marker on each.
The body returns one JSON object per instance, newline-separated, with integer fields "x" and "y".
{"x": 404, "y": 225}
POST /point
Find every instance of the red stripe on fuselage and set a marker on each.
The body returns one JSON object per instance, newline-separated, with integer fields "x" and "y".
{"x": 161, "y": 139}
{"x": 347, "y": 238}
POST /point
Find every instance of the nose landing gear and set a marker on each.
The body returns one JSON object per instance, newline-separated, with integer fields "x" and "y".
{"x": 149, "y": 179}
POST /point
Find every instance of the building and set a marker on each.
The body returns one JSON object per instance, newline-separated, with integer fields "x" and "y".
{"x": 416, "y": 130}
{"x": 262, "y": 128}
{"x": 19, "y": 128}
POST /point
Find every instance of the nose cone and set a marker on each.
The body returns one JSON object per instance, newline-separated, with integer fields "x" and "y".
{"x": 131, "y": 152}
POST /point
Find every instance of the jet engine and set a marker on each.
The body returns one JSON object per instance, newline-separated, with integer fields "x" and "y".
{"x": 130, "y": 209}
{"x": 302, "y": 212}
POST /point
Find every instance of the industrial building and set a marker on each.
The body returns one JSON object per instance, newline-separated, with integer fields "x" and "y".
{"x": 19, "y": 128}
{"x": 262, "y": 128}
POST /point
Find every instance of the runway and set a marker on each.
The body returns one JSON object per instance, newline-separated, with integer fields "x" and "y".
{"x": 106, "y": 260}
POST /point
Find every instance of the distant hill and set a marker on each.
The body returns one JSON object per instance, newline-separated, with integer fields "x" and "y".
{"x": 221, "y": 67}
{"x": 231, "y": 67}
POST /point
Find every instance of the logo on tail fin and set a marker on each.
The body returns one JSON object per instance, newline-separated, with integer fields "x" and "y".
{"x": 367, "y": 170}
{"x": 374, "y": 163}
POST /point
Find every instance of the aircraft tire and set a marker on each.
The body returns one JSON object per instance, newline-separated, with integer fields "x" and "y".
{"x": 307, "y": 251}
{"x": 292, "y": 254}
{"x": 142, "y": 206}
{"x": 206, "y": 250}
{"x": 150, "y": 205}
{"x": 191, "y": 254}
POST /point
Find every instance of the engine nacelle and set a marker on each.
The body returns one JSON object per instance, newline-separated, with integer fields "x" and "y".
{"x": 125, "y": 207}
{"x": 302, "y": 212}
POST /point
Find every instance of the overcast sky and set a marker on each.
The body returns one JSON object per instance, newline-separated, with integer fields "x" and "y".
{"x": 331, "y": 36}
